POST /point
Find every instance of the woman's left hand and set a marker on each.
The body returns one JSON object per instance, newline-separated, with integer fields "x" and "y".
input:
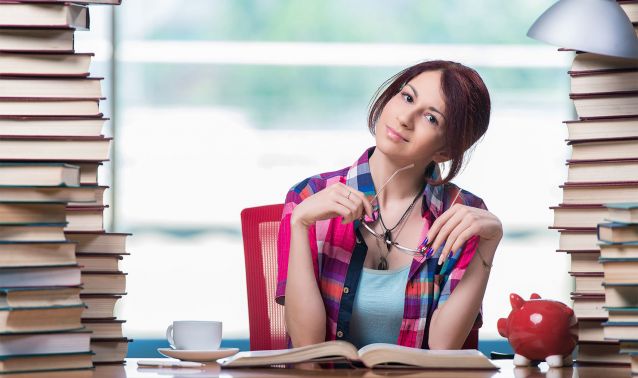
{"x": 458, "y": 224}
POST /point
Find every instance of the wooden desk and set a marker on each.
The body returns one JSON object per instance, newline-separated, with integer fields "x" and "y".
{"x": 130, "y": 370}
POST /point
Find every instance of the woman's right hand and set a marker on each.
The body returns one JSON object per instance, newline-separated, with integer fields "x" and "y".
{"x": 334, "y": 201}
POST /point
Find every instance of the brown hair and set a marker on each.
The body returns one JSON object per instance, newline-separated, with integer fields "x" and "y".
{"x": 467, "y": 107}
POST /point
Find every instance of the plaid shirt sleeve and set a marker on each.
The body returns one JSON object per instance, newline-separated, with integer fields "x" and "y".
{"x": 451, "y": 280}
{"x": 294, "y": 197}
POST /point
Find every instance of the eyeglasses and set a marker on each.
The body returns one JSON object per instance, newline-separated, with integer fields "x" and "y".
{"x": 388, "y": 242}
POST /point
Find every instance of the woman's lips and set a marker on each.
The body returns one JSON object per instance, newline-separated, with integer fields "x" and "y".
{"x": 394, "y": 135}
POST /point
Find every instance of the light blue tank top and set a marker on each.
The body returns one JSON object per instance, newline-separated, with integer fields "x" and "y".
{"x": 377, "y": 311}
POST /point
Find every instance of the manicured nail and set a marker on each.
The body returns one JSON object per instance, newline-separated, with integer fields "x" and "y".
{"x": 429, "y": 252}
{"x": 426, "y": 241}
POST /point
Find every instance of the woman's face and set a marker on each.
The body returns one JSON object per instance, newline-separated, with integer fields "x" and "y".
{"x": 411, "y": 126}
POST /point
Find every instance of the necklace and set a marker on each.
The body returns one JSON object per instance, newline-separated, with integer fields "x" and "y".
{"x": 391, "y": 243}
{"x": 387, "y": 232}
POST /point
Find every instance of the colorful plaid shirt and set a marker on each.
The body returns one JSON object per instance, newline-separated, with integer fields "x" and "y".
{"x": 338, "y": 255}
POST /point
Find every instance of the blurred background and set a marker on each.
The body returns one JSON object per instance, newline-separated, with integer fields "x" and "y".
{"x": 218, "y": 105}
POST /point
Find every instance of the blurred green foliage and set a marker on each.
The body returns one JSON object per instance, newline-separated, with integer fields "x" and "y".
{"x": 320, "y": 96}
{"x": 376, "y": 21}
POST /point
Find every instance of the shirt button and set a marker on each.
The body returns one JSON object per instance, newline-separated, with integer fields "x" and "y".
{"x": 339, "y": 334}
{"x": 346, "y": 290}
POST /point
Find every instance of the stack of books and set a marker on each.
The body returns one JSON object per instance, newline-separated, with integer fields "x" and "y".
{"x": 619, "y": 257}
{"x": 51, "y": 206}
{"x": 602, "y": 169}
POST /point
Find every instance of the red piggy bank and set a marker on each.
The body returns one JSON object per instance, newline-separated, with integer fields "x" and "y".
{"x": 540, "y": 330}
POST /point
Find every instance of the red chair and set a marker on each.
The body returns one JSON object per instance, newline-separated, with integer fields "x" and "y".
{"x": 259, "y": 227}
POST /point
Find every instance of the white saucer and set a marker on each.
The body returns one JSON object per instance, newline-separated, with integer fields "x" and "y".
{"x": 198, "y": 355}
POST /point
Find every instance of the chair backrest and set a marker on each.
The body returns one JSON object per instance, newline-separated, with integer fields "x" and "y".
{"x": 260, "y": 228}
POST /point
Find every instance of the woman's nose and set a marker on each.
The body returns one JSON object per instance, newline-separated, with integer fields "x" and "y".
{"x": 405, "y": 120}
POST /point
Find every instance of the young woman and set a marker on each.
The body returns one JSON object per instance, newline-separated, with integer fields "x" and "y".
{"x": 386, "y": 250}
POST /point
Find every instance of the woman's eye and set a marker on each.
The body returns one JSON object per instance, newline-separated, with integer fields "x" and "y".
{"x": 407, "y": 97}
{"x": 431, "y": 119}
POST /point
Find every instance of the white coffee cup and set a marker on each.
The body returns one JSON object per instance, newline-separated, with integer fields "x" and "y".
{"x": 194, "y": 335}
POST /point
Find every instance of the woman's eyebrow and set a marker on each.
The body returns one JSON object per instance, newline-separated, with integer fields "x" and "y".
{"x": 416, "y": 94}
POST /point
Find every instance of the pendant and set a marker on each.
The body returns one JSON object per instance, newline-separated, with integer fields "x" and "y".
{"x": 383, "y": 264}
{"x": 387, "y": 236}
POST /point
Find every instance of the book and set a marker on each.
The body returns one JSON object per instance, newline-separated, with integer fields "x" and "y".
{"x": 45, "y": 362}
{"x": 34, "y": 106}
{"x": 607, "y": 352}
{"x": 622, "y": 314}
{"x": 588, "y": 283}
{"x": 40, "y": 297}
{"x": 604, "y": 149}
{"x": 99, "y": 262}
{"x": 41, "y": 319}
{"x": 104, "y": 328}
{"x": 619, "y": 250}
{"x": 591, "y": 329}
{"x": 589, "y": 306}
{"x": 83, "y": 218}
{"x": 109, "y": 350}
{"x": 40, "y": 276}
{"x": 620, "y": 330}
{"x": 610, "y": 104}
{"x": 621, "y": 295}
{"x": 52, "y": 126}
{"x": 588, "y": 171}
{"x": 98, "y": 196}
{"x": 15, "y": 344}
{"x": 623, "y": 212}
{"x": 578, "y": 215}
{"x": 629, "y": 346}
{"x": 30, "y": 253}
{"x": 373, "y": 355}
{"x": 45, "y": 64}
{"x": 597, "y": 193}
{"x": 603, "y": 82}
{"x": 606, "y": 128}
{"x": 15, "y": 213}
{"x": 577, "y": 240}
{"x": 54, "y": 148}
{"x": 33, "y": 232}
{"x": 88, "y": 172}
{"x": 95, "y": 282}
{"x": 99, "y": 242}
{"x": 39, "y": 174}
{"x": 40, "y": 40}
{"x": 63, "y": 15}
{"x": 631, "y": 9}
{"x": 36, "y": 87}
{"x": 99, "y": 305}
{"x": 620, "y": 270}
{"x": 616, "y": 232}
{"x": 590, "y": 62}
{"x": 80, "y": 195}
{"x": 585, "y": 262}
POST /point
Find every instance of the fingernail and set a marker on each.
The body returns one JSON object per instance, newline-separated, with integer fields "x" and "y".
{"x": 429, "y": 252}
{"x": 426, "y": 241}
{"x": 440, "y": 260}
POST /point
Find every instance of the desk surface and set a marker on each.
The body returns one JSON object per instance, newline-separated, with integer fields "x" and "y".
{"x": 213, "y": 370}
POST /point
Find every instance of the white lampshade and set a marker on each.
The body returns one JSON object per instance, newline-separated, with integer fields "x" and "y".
{"x": 596, "y": 26}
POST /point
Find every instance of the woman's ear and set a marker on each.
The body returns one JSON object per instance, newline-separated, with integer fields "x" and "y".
{"x": 441, "y": 156}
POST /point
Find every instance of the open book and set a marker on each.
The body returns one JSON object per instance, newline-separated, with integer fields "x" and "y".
{"x": 373, "y": 355}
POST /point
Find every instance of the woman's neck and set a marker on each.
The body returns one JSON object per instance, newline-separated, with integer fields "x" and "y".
{"x": 404, "y": 185}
